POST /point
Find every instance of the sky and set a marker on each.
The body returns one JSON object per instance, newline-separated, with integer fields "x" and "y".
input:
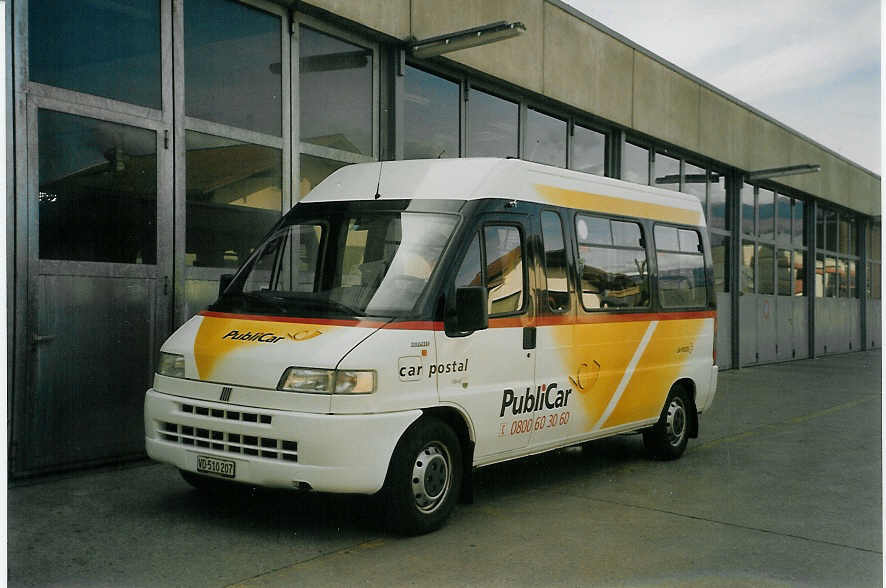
{"x": 813, "y": 65}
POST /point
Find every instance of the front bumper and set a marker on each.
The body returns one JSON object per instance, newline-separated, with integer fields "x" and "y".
{"x": 275, "y": 448}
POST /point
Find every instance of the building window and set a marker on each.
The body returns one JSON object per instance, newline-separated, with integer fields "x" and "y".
{"x": 233, "y": 67}
{"x": 748, "y": 274}
{"x": 100, "y": 48}
{"x": 748, "y": 209}
{"x": 97, "y": 198}
{"x": 589, "y": 151}
{"x": 720, "y": 258}
{"x": 335, "y": 93}
{"x": 635, "y": 164}
{"x": 766, "y": 214}
{"x": 765, "y": 269}
{"x": 798, "y": 230}
{"x": 695, "y": 181}
{"x": 681, "y": 273}
{"x": 783, "y": 218}
{"x": 234, "y": 196}
{"x": 719, "y": 217}
{"x": 492, "y": 126}
{"x": 431, "y": 106}
{"x": 545, "y": 138}
{"x": 667, "y": 172}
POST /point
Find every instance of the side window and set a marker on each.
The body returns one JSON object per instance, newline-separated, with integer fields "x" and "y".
{"x": 681, "y": 274}
{"x": 504, "y": 269}
{"x": 557, "y": 284}
{"x": 470, "y": 272}
{"x": 612, "y": 263}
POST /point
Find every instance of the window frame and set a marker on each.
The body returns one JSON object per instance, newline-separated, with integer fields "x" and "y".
{"x": 702, "y": 253}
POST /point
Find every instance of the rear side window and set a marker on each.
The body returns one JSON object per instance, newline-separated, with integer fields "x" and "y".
{"x": 556, "y": 281}
{"x": 681, "y": 274}
{"x": 503, "y": 273}
{"x": 612, "y": 263}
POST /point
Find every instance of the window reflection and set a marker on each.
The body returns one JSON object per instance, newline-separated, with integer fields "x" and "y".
{"x": 556, "y": 268}
{"x": 635, "y": 166}
{"x": 695, "y": 183}
{"x": 798, "y": 231}
{"x": 783, "y": 221}
{"x": 431, "y": 105}
{"x": 589, "y": 151}
{"x": 667, "y": 172}
{"x": 335, "y": 93}
{"x": 747, "y": 209}
{"x": 234, "y": 196}
{"x": 766, "y": 205}
{"x": 97, "y": 190}
{"x": 784, "y": 272}
{"x": 720, "y": 258}
{"x": 719, "y": 217}
{"x": 504, "y": 269}
{"x": 611, "y": 276}
{"x": 766, "y": 269}
{"x": 748, "y": 274}
{"x": 233, "y": 65}
{"x": 545, "y": 139}
{"x": 492, "y": 126}
{"x": 109, "y": 49}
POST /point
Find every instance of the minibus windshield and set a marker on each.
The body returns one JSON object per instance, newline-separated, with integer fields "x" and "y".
{"x": 347, "y": 263}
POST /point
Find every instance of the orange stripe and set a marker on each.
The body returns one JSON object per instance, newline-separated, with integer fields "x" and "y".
{"x": 619, "y": 206}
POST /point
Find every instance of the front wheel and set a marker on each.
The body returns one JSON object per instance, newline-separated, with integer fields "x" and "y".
{"x": 424, "y": 477}
{"x": 668, "y": 438}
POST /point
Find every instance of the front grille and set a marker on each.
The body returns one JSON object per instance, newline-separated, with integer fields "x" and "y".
{"x": 237, "y": 443}
{"x": 228, "y": 415}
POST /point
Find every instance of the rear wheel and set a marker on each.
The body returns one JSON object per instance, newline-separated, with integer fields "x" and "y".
{"x": 424, "y": 477}
{"x": 668, "y": 438}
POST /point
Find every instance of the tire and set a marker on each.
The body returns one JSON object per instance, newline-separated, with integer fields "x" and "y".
{"x": 424, "y": 478}
{"x": 668, "y": 438}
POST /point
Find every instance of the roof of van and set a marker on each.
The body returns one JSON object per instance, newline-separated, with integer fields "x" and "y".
{"x": 476, "y": 178}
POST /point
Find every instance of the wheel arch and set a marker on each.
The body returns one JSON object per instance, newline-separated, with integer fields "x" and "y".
{"x": 463, "y": 430}
{"x": 688, "y": 385}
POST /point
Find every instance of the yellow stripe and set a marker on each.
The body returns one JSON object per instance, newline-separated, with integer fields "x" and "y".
{"x": 620, "y": 206}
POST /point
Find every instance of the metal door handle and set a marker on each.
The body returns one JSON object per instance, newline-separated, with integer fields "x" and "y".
{"x": 41, "y": 339}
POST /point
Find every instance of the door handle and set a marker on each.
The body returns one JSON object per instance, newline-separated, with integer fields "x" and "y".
{"x": 528, "y": 337}
{"x": 37, "y": 339}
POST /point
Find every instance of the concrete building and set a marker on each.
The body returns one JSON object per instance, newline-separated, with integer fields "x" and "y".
{"x": 155, "y": 141}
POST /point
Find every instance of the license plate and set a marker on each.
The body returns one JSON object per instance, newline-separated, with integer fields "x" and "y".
{"x": 218, "y": 467}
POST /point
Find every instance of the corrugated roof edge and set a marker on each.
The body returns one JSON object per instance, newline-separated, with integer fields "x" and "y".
{"x": 603, "y": 28}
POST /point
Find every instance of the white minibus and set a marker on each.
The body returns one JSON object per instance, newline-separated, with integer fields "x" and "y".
{"x": 408, "y": 322}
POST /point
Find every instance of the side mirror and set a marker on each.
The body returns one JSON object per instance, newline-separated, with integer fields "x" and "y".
{"x": 223, "y": 282}
{"x": 471, "y": 312}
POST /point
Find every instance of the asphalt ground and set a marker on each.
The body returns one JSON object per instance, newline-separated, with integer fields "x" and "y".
{"x": 782, "y": 488}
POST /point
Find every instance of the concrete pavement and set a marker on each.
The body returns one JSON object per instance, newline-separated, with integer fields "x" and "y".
{"x": 783, "y": 487}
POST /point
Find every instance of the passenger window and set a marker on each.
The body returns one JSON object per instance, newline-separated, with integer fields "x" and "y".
{"x": 613, "y": 270}
{"x": 504, "y": 269}
{"x": 681, "y": 272}
{"x": 557, "y": 284}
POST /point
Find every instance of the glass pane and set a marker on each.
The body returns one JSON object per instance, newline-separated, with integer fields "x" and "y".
{"x": 720, "y": 258}
{"x": 626, "y": 234}
{"x": 799, "y": 273}
{"x": 875, "y": 281}
{"x": 233, "y": 65}
{"x": 314, "y": 170}
{"x": 431, "y": 116}
{"x": 851, "y": 279}
{"x": 109, "y": 49}
{"x": 666, "y": 238}
{"x": 492, "y": 123}
{"x": 875, "y": 242}
{"x": 747, "y": 267}
{"x": 504, "y": 270}
{"x": 766, "y": 270}
{"x": 766, "y": 205}
{"x": 613, "y": 278}
{"x": 690, "y": 242}
{"x": 635, "y": 165}
{"x": 747, "y": 209}
{"x": 545, "y": 139}
{"x": 234, "y": 196}
{"x": 830, "y": 220}
{"x": 296, "y": 253}
{"x": 784, "y": 272}
{"x": 783, "y": 221}
{"x": 589, "y": 151}
{"x": 667, "y": 172}
{"x": 695, "y": 183}
{"x": 593, "y": 230}
{"x": 470, "y": 273}
{"x": 842, "y": 278}
{"x": 97, "y": 190}
{"x": 820, "y": 228}
{"x": 556, "y": 270}
{"x": 335, "y": 93}
{"x": 844, "y": 235}
{"x": 830, "y": 277}
{"x": 681, "y": 280}
{"x": 719, "y": 217}
{"x": 799, "y": 228}
{"x": 820, "y": 277}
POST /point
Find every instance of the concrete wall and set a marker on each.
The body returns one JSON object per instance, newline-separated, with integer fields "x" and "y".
{"x": 566, "y": 58}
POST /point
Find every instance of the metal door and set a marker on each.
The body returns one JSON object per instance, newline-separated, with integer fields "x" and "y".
{"x": 98, "y": 244}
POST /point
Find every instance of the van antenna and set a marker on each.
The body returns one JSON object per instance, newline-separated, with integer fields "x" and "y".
{"x": 377, "y": 193}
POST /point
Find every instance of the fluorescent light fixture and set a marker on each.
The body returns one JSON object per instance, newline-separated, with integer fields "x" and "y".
{"x": 482, "y": 35}
{"x": 789, "y": 170}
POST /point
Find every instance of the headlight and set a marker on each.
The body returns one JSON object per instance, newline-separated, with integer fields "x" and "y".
{"x": 319, "y": 381}
{"x": 171, "y": 364}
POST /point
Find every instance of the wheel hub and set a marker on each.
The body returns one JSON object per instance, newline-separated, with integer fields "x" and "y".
{"x": 430, "y": 477}
{"x": 676, "y": 422}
